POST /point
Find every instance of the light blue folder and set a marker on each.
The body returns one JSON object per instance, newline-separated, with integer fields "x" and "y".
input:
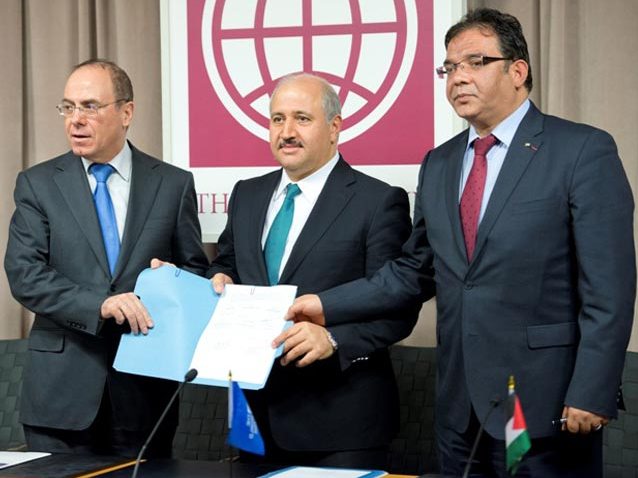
{"x": 181, "y": 305}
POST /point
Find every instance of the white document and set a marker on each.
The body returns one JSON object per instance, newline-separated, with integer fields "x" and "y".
{"x": 239, "y": 335}
{"x": 11, "y": 458}
{"x": 311, "y": 472}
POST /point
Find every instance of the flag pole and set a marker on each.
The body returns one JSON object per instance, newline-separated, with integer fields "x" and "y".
{"x": 517, "y": 440}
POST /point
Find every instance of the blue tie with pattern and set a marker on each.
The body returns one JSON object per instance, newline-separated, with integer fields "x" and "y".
{"x": 278, "y": 234}
{"x": 106, "y": 212}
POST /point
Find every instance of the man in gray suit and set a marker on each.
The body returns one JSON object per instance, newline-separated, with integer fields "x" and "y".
{"x": 75, "y": 266}
{"x": 332, "y": 399}
{"x": 524, "y": 230}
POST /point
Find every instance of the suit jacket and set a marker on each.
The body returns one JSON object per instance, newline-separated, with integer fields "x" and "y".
{"x": 57, "y": 267}
{"x": 549, "y": 294}
{"x": 348, "y": 401}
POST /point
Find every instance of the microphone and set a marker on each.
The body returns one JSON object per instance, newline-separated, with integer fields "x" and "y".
{"x": 493, "y": 404}
{"x": 189, "y": 377}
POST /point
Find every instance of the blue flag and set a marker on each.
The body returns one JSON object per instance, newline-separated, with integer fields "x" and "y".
{"x": 244, "y": 433}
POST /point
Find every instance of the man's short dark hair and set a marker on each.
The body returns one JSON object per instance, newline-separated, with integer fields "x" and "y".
{"x": 122, "y": 87}
{"x": 507, "y": 29}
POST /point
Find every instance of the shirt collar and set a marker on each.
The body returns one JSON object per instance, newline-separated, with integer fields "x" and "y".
{"x": 506, "y": 129}
{"x": 310, "y": 186}
{"x": 121, "y": 162}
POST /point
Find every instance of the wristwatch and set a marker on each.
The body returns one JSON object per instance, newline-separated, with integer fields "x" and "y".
{"x": 332, "y": 340}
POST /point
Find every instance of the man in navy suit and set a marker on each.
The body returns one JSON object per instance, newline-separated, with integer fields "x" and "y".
{"x": 538, "y": 283}
{"x": 58, "y": 265}
{"x": 332, "y": 399}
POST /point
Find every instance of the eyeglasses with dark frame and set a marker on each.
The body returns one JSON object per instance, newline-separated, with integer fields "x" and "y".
{"x": 475, "y": 63}
{"x": 90, "y": 109}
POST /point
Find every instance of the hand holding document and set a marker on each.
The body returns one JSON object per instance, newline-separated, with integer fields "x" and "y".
{"x": 196, "y": 328}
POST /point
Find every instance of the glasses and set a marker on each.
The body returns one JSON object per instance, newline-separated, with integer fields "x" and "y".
{"x": 90, "y": 109}
{"x": 474, "y": 62}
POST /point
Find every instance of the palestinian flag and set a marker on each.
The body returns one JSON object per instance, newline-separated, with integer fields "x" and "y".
{"x": 517, "y": 441}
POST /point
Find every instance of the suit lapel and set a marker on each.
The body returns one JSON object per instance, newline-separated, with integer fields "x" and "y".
{"x": 524, "y": 145}
{"x": 453, "y": 181}
{"x": 333, "y": 199}
{"x": 74, "y": 186}
{"x": 145, "y": 184}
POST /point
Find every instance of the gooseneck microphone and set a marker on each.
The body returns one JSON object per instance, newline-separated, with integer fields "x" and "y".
{"x": 493, "y": 404}
{"x": 189, "y": 377}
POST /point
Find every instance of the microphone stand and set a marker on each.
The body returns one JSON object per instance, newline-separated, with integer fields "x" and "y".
{"x": 493, "y": 404}
{"x": 189, "y": 377}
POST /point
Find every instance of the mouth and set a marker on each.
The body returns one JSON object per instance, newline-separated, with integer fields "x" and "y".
{"x": 289, "y": 144}
{"x": 79, "y": 136}
{"x": 463, "y": 97}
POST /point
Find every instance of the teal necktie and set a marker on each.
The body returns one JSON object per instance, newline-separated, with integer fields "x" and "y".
{"x": 278, "y": 234}
{"x": 106, "y": 212}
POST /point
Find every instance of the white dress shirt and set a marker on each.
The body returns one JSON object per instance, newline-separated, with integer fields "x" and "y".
{"x": 118, "y": 184}
{"x": 310, "y": 187}
{"x": 504, "y": 132}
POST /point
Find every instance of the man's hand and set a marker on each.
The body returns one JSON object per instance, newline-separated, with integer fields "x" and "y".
{"x": 582, "y": 421}
{"x": 219, "y": 281}
{"x": 307, "y": 308}
{"x": 305, "y": 343}
{"x": 155, "y": 263}
{"x": 127, "y": 307}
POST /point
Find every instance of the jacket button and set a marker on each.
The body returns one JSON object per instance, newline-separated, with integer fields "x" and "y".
{"x": 469, "y": 286}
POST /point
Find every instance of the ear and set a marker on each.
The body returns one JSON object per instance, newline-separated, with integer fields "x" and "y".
{"x": 519, "y": 70}
{"x": 127, "y": 113}
{"x": 335, "y": 128}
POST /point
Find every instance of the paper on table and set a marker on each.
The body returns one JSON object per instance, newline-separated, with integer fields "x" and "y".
{"x": 311, "y": 472}
{"x": 11, "y": 458}
{"x": 239, "y": 335}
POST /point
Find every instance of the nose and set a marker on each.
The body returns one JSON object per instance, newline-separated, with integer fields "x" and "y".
{"x": 77, "y": 116}
{"x": 288, "y": 128}
{"x": 459, "y": 75}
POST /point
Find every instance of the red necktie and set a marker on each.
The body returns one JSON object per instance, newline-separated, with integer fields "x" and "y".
{"x": 473, "y": 193}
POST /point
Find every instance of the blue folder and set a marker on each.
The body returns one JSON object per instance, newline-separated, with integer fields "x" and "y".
{"x": 181, "y": 304}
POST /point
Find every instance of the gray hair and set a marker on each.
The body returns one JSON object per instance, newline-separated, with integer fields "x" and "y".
{"x": 329, "y": 98}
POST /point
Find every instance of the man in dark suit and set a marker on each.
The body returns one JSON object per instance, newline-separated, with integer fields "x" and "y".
{"x": 62, "y": 267}
{"x": 331, "y": 400}
{"x": 544, "y": 290}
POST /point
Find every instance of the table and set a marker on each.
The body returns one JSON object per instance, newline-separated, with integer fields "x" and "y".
{"x": 74, "y": 466}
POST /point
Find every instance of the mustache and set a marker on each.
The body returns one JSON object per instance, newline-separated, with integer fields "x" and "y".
{"x": 290, "y": 142}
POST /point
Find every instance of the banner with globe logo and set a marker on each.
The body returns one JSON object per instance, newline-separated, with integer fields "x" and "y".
{"x": 224, "y": 57}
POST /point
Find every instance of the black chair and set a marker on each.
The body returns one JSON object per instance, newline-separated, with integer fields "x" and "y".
{"x": 13, "y": 355}
{"x": 413, "y": 450}
{"x": 203, "y": 423}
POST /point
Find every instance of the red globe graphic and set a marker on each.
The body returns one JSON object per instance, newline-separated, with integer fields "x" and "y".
{"x": 364, "y": 49}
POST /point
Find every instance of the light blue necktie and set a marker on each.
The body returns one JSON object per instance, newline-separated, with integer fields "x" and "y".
{"x": 278, "y": 234}
{"x": 106, "y": 212}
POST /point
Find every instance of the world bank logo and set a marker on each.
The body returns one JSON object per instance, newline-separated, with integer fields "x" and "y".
{"x": 364, "y": 48}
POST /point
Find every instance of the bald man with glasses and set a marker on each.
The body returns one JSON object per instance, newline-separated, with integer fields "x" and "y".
{"x": 85, "y": 225}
